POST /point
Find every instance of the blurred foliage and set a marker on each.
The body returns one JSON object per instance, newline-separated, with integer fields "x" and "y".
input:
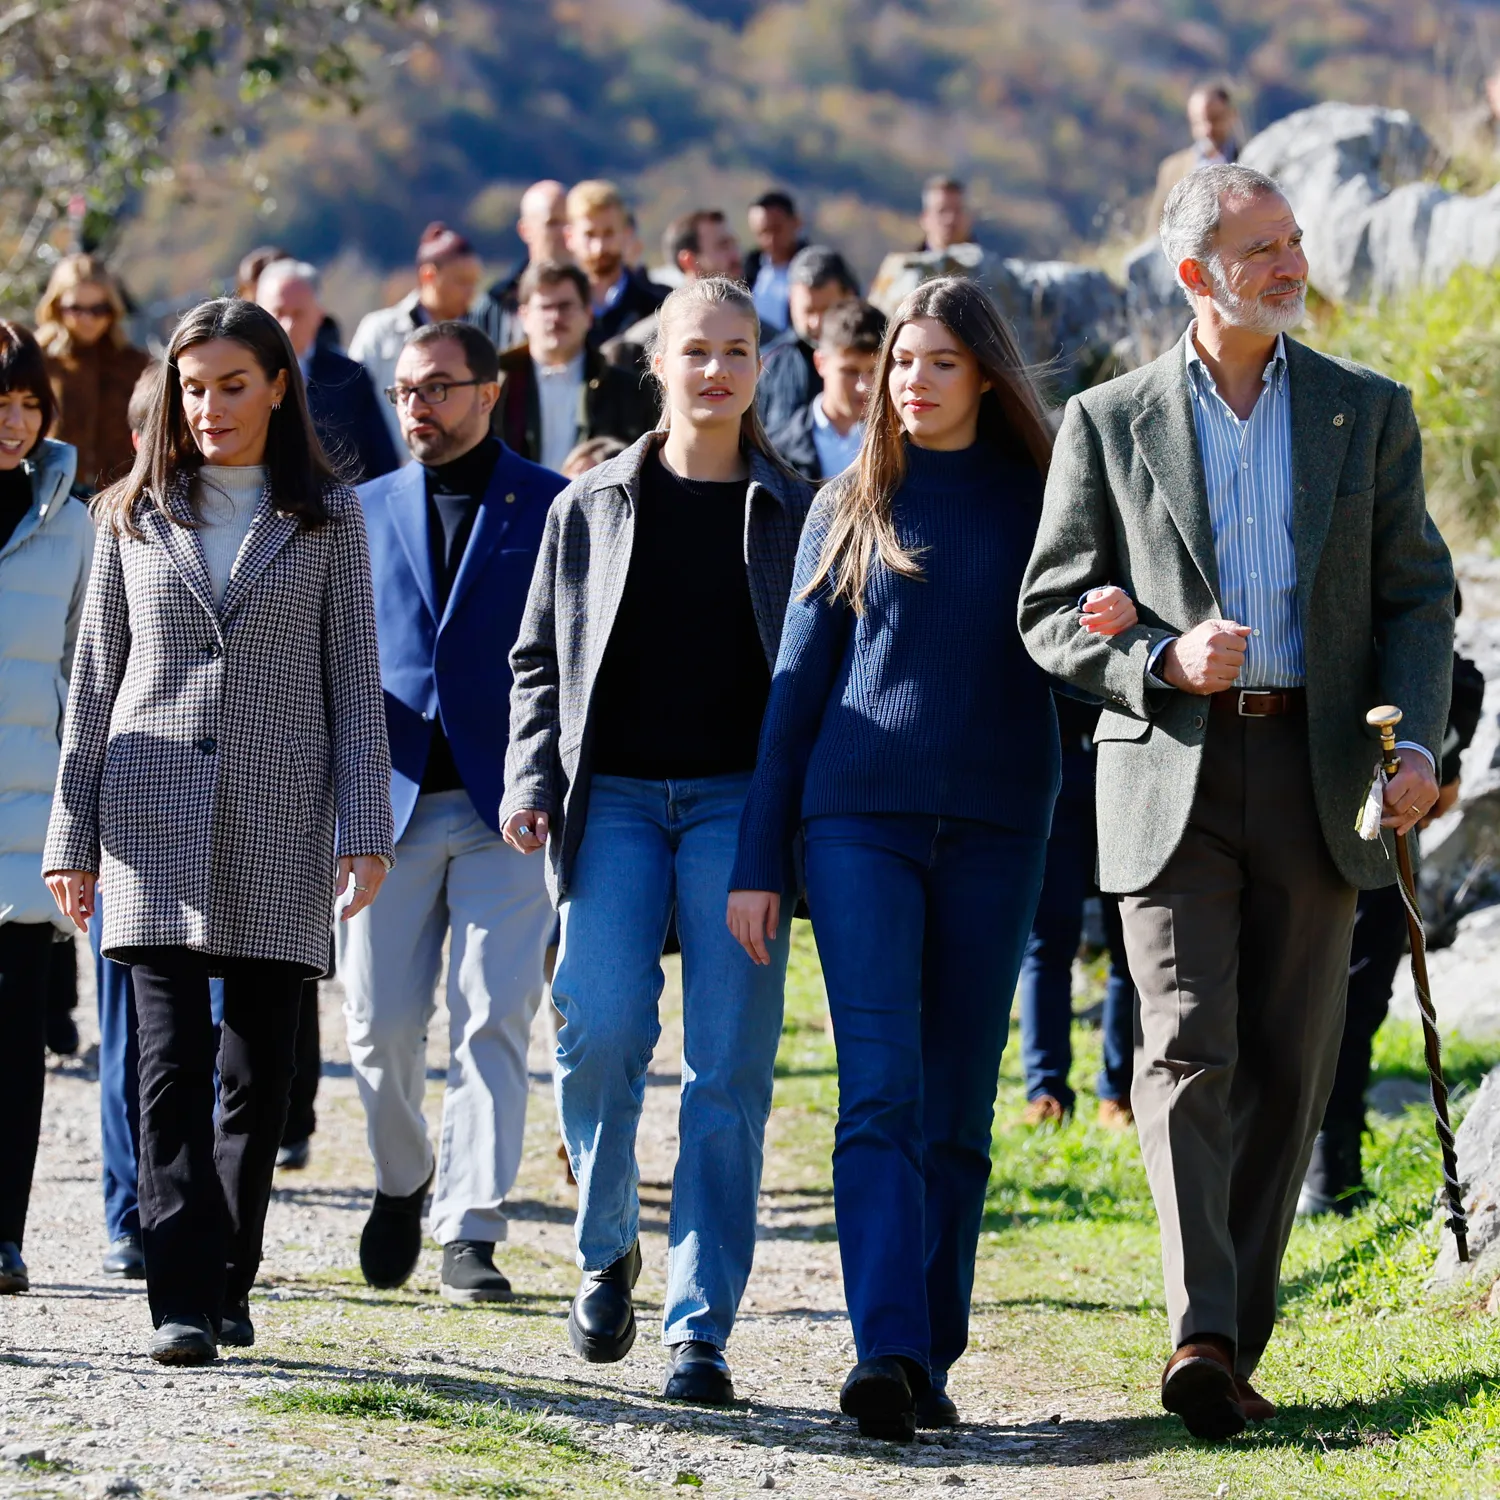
{"x": 88, "y": 88}
{"x": 1055, "y": 114}
{"x": 1445, "y": 346}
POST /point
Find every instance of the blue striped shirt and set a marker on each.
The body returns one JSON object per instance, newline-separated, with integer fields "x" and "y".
{"x": 1247, "y": 471}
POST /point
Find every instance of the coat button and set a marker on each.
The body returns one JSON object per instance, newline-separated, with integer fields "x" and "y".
{"x": 207, "y": 745}
{"x": 211, "y": 649}
{"x": 1198, "y": 721}
{"x": 510, "y": 499}
{"x": 1338, "y": 420}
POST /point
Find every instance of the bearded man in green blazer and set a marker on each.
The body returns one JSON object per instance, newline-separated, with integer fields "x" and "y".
{"x": 1263, "y": 506}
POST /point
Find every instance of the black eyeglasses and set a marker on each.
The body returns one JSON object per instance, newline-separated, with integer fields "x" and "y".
{"x": 430, "y": 392}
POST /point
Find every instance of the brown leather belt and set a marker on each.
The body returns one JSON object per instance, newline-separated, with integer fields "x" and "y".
{"x": 1261, "y": 703}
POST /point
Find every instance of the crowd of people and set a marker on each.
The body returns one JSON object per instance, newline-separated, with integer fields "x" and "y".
{"x": 720, "y": 598}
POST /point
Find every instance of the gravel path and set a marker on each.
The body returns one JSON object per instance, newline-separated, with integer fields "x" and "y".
{"x": 76, "y": 1386}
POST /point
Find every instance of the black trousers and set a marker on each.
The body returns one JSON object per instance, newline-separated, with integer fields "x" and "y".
{"x": 25, "y": 973}
{"x": 205, "y": 1183}
{"x": 301, "y": 1116}
{"x": 1379, "y": 942}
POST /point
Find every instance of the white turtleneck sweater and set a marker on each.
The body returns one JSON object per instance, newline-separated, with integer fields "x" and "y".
{"x": 226, "y": 499}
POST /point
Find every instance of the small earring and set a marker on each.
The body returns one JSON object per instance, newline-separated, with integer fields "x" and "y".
{"x": 276, "y": 406}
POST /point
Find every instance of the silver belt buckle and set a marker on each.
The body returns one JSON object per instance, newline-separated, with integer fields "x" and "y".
{"x": 1240, "y": 697}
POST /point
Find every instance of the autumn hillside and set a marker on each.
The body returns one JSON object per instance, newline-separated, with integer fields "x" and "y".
{"x": 1056, "y": 111}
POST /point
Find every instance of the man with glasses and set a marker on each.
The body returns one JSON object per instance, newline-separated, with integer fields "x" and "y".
{"x": 453, "y": 539}
{"x": 556, "y": 392}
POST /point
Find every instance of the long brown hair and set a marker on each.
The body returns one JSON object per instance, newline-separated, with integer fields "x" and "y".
{"x": 712, "y": 291}
{"x": 70, "y": 272}
{"x": 1012, "y": 421}
{"x": 296, "y": 467}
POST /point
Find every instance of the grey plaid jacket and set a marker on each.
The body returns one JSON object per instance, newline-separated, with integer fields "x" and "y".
{"x": 570, "y": 612}
{"x": 207, "y": 751}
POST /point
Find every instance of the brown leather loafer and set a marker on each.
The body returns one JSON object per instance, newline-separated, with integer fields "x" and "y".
{"x": 1252, "y": 1403}
{"x": 1044, "y": 1110}
{"x": 1198, "y": 1385}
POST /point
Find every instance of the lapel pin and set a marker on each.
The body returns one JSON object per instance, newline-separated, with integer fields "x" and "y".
{"x": 511, "y": 499}
{"x": 1338, "y": 420}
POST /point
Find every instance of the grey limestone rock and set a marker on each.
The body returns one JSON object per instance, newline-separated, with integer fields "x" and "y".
{"x": 1478, "y": 1147}
{"x": 1066, "y": 316}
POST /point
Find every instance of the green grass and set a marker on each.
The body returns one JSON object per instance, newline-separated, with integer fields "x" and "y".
{"x": 1387, "y": 1388}
{"x": 1444, "y": 344}
{"x": 524, "y": 1454}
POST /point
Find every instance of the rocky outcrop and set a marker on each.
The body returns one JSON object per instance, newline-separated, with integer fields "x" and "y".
{"x": 1477, "y": 1145}
{"x": 1069, "y": 318}
{"x": 1355, "y": 175}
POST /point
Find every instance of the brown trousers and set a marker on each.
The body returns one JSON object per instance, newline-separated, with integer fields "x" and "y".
{"x": 1240, "y": 951}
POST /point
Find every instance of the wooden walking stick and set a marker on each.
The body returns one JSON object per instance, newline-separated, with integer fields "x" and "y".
{"x": 1385, "y": 720}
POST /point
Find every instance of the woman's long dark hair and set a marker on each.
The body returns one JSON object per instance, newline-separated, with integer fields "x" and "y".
{"x": 298, "y": 471}
{"x": 1012, "y": 421}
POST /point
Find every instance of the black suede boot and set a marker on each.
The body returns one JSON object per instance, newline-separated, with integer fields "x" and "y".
{"x": 392, "y": 1238}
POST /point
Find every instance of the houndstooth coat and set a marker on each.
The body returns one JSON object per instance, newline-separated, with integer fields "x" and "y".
{"x": 207, "y": 750}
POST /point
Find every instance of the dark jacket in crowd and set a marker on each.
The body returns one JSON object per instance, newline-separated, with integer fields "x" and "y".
{"x": 614, "y": 402}
{"x": 93, "y": 389}
{"x": 793, "y": 440}
{"x": 448, "y": 665}
{"x": 346, "y": 412}
{"x": 640, "y": 298}
{"x": 789, "y": 380}
{"x": 575, "y": 596}
{"x": 497, "y": 312}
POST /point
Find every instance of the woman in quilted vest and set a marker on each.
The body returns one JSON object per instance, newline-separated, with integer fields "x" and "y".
{"x": 224, "y": 718}
{"x": 45, "y": 545}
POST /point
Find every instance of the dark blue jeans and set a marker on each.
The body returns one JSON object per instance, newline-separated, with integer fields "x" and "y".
{"x": 920, "y": 923}
{"x": 1047, "y": 971}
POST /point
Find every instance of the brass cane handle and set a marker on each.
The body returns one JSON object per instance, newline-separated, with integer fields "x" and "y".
{"x": 1385, "y": 719}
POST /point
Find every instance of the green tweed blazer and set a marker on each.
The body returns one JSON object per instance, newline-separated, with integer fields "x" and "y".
{"x": 1126, "y": 504}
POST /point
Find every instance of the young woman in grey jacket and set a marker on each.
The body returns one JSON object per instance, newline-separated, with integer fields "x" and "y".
{"x": 45, "y": 545}
{"x": 225, "y": 713}
{"x": 641, "y": 672}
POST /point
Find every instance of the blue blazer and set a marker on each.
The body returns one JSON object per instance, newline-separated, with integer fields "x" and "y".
{"x": 345, "y": 409}
{"x": 454, "y": 669}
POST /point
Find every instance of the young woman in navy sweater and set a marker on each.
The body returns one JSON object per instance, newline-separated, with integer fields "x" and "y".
{"x": 913, "y": 744}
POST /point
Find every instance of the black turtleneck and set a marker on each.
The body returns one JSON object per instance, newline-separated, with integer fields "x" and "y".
{"x": 454, "y": 490}
{"x": 15, "y": 499}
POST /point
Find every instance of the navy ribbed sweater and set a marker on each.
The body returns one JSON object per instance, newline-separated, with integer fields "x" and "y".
{"x": 928, "y": 703}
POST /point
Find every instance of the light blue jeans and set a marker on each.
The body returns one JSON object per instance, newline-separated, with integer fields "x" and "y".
{"x": 650, "y": 845}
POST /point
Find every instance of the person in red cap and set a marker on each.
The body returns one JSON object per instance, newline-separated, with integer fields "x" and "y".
{"x": 447, "y": 280}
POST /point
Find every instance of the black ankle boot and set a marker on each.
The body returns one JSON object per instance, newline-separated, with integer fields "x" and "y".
{"x": 699, "y": 1374}
{"x": 1335, "y": 1176}
{"x": 601, "y": 1322}
{"x": 880, "y": 1394}
{"x": 392, "y": 1239}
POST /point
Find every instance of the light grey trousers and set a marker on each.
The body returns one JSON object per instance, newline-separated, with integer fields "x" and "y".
{"x": 1240, "y": 951}
{"x": 452, "y": 875}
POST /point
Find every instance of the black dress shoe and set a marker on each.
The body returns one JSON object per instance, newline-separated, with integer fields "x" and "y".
{"x": 293, "y": 1155}
{"x": 13, "y": 1277}
{"x": 184, "y": 1340}
{"x": 236, "y": 1331}
{"x": 469, "y": 1273}
{"x": 936, "y": 1409}
{"x": 699, "y": 1374}
{"x": 601, "y": 1322}
{"x": 125, "y": 1257}
{"x": 878, "y": 1394}
{"x": 392, "y": 1239}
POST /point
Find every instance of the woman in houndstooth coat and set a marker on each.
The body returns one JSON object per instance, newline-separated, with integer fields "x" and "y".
{"x": 224, "y": 768}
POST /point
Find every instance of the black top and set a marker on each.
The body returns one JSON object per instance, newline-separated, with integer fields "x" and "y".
{"x": 684, "y": 680}
{"x": 15, "y": 499}
{"x": 454, "y": 490}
